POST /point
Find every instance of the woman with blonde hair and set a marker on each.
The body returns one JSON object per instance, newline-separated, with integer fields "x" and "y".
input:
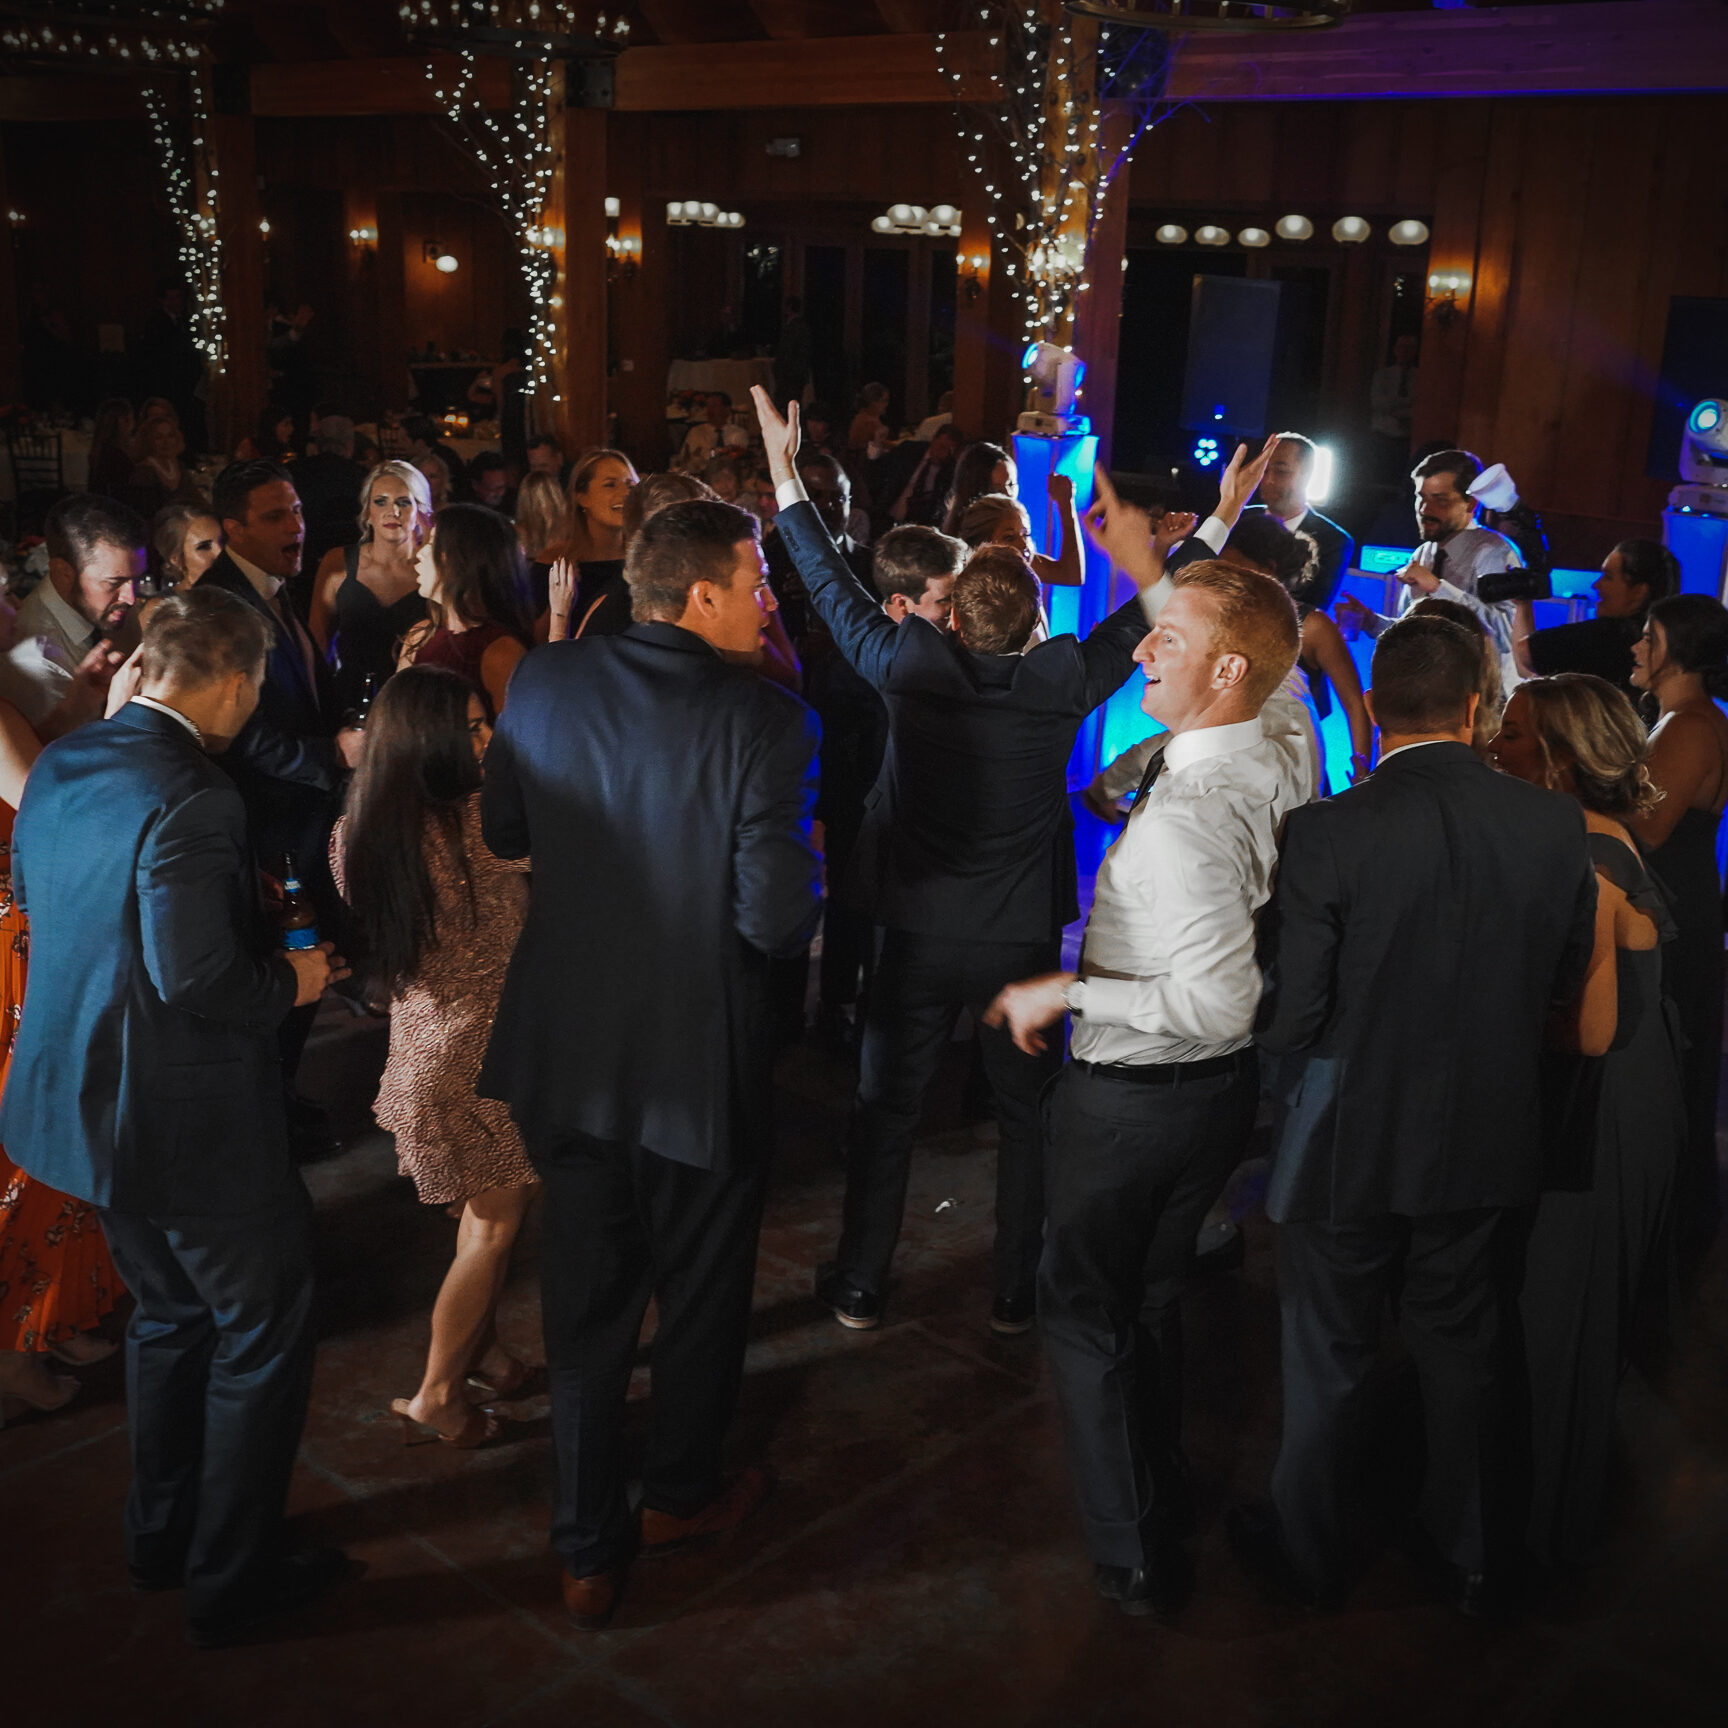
{"x": 365, "y": 598}
{"x": 1599, "y": 1254}
{"x": 539, "y": 514}
{"x": 995, "y": 519}
{"x": 593, "y": 540}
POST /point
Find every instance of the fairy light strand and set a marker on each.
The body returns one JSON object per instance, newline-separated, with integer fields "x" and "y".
{"x": 192, "y": 177}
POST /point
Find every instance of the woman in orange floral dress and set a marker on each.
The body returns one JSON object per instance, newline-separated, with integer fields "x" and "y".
{"x": 56, "y": 1279}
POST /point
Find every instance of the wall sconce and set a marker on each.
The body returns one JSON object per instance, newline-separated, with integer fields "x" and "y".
{"x": 367, "y": 236}
{"x": 264, "y": 226}
{"x": 701, "y": 213}
{"x": 16, "y": 218}
{"x": 614, "y": 209}
{"x": 623, "y": 255}
{"x": 438, "y": 258}
{"x": 1448, "y": 296}
{"x": 973, "y": 268}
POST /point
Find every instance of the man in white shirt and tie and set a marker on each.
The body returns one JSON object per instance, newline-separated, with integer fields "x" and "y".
{"x": 1152, "y": 1113}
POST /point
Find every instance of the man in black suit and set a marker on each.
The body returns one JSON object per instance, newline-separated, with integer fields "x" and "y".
{"x": 966, "y": 860}
{"x": 328, "y": 485}
{"x": 1425, "y": 924}
{"x": 289, "y": 760}
{"x": 664, "y": 796}
{"x": 144, "y": 1081}
{"x": 1284, "y": 497}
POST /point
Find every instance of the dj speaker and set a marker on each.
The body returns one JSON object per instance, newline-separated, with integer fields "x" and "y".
{"x": 1232, "y": 336}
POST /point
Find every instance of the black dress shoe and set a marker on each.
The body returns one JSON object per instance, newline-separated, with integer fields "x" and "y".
{"x": 849, "y": 1305}
{"x": 1222, "y": 1250}
{"x": 1163, "y": 1587}
{"x": 310, "y": 1136}
{"x": 292, "y": 1583}
{"x": 1012, "y": 1315}
{"x": 1259, "y": 1546}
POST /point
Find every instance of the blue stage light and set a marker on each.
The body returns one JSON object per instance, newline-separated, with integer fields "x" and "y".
{"x": 1706, "y": 417}
{"x": 1029, "y": 356}
{"x": 1205, "y": 452}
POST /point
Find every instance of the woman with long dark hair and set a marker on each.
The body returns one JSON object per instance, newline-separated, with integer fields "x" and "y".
{"x": 434, "y": 920}
{"x": 471, "y": 574}
{"x": 1681, "y": 661}
{"x": 1598, "y": 1256}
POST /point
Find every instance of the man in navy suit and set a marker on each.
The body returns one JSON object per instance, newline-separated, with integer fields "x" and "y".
{"x": 145, "y": 1081}
{"x": 665, "y": 797}
{"x": 290, "y": 760}
{"x": 1284, "y": 497}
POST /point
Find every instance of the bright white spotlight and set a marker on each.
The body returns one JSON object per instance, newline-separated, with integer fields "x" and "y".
{"x": 1319, "y": 487}
{"x": 1172, "y": 234}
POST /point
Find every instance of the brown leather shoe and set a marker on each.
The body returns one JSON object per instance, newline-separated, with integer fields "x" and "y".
{"x": 591, "y": 1602}
{"x": 662, "y": 1533}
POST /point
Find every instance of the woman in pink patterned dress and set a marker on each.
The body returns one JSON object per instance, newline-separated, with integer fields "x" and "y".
{"x": 435, "y": 919}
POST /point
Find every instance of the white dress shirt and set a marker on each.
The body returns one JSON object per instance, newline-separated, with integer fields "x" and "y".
{"x": 1469, "y": 554}
{"x": 50, "y": 639}
{"x": 704, "y": 441}
{"x": 268, "y": 588}
{"x": 1167, "y": 971}
{"x": 173, "y": 714}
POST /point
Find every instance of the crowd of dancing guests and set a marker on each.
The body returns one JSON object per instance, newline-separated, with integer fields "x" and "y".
{"x": 554, "y": 788}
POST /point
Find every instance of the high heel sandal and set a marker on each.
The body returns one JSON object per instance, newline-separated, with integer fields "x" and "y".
{"x": 478, "y": 1430}
{"x": 83, "y": 1349}
{"x": 522, "y": 1384}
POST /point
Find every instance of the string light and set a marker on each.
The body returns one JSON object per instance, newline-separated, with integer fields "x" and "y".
{"x": 193, "y": 184}
{"x": 1045, "y": 211}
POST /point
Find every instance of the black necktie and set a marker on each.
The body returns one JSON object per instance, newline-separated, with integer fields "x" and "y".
{"x": 1147, "y": 780}
{"x": 1439, "y": 563}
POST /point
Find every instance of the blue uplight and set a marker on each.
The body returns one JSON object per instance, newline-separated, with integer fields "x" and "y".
{"x": 1029, "y": 356}
{"x": 1706, "y": 417}
{"x": 1205, "y": 452}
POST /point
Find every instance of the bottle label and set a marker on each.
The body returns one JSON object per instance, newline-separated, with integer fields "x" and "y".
{"x": 305, "y": 937}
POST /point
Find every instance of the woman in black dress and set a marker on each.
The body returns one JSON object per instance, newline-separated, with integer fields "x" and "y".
{"x": 365, "y": 599}
{"x": 1682, "y": 661}
{"x": 1599, "y": 1255}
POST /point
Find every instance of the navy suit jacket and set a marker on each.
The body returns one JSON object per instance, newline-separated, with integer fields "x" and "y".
{"x": 285, "y": 761}
{"x": 1335, "y": 549}
{"x": 1424, "y": 925}
{"x": 664, "y": 797}
{"x": 145, "y": 1075}
{"x": 967, "y": 831}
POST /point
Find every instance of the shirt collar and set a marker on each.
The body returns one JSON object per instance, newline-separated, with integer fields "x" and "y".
{"x": 262, "y": 580}
{"x": 173, "y": 713}
{"x": 1204, "y": 741}
{"x": 67, "y": 619}
{"x": 1416, "y": 746}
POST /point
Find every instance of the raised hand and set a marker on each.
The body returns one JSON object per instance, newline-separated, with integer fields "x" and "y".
{"x": 1242, "y": 480}
{"x": 1175, "y": 527}
{"x": 1123, "y": 533}
{"x": 1060, "y": 488}
{"x": 561, "y": 596}
{"x": 122, "y": 681}
{"x": 779, "y": 436}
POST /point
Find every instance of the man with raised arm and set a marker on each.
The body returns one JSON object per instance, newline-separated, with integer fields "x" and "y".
{"x": 966, "y": 860}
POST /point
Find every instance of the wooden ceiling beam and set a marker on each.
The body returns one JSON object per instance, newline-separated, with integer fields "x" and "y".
{"x": 827, "y": 72}
{"x": 783, "y": 20}
{"x": 1614, "y": 46}
{"x": 321, "y": 89}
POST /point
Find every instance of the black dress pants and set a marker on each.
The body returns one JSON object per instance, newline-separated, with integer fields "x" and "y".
{"x": 920, "y": 985}
{"x": 1130, "y": 1170}
{"x": 1335, "y": 1281}
{"x": 218, "y": 1371}
{"x": 620, "y": 1225}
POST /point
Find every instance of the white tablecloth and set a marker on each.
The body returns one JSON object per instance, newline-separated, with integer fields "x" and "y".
{"x": 733, "y": 376}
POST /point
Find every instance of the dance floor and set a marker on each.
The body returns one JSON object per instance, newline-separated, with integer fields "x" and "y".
{"x": 918, "y": 1563}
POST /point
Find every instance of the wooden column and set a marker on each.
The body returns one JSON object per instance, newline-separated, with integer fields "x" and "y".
{"x": 638, "y": 300}
{"x": 392, "y": 279}
{"x": 972, "y": 315}
{"x": 238, "y": 395}
{"x": 1098, "y": 314}
{"x": 11, "y": 382}
{"x": 577, "y": 410}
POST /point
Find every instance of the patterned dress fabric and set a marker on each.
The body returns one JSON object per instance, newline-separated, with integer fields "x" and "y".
{"x": 449, "y": 1142}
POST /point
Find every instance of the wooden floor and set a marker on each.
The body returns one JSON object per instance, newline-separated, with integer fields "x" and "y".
{"x": 918, "y": 1564}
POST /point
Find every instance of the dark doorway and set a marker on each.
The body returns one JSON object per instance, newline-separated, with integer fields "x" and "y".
{"x": 825, "y": 310}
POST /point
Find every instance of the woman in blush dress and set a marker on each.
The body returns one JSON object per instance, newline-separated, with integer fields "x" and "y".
{"x": 435, "y": 918}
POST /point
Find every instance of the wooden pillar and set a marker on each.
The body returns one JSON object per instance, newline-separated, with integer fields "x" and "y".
{"x": 637, "y": 299}
{"x": 360, "y": 216}
{"x": 11, "y": 380}
{"x": 577, "y": 410}
{"x": 1098, "y": 314}
{"x": 983, "y": 283}
{"x": 238, "y": 395}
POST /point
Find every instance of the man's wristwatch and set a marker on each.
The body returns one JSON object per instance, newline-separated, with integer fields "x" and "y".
{"x": 1074, "y": 997}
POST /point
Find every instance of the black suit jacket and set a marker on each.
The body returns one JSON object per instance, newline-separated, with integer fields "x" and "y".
{"x": 1335, "y": 549}
{"x": 1423, "y": 926}
{"x": 664, "y": 797}
{"x": 967, "y": 831}
{"x": 145, "y": 1075}
{"x": 285, "y": 761}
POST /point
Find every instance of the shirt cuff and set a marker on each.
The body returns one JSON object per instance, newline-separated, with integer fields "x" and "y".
{"x": 1106, "y": 1001}
{"x": 790, "y": 492}
{"x": 1075, "y": 997}
{"x": 1214, "y": 533}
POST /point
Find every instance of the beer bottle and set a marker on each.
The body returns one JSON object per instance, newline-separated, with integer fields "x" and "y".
{"x": 298, "y": 919}
{"x": 368, "y": 689}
